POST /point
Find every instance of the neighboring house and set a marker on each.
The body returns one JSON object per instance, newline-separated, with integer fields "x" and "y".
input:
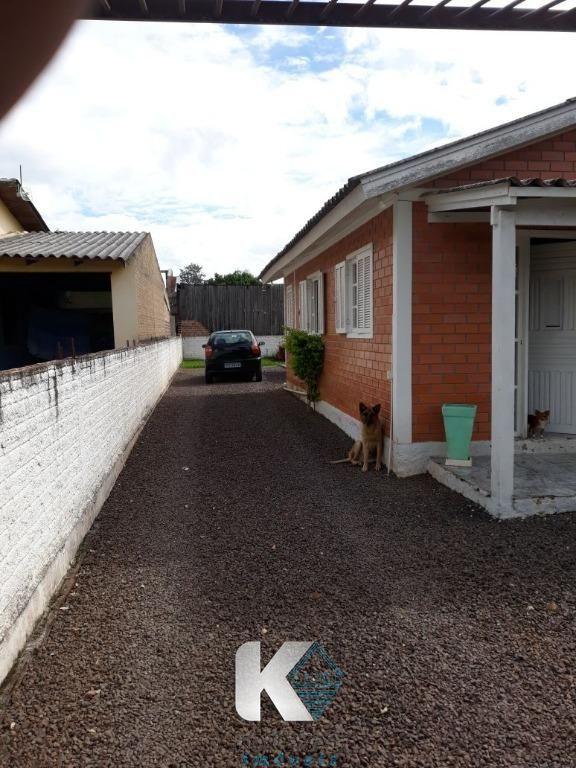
{"x": 409, "y": 273}
{"x": 66, "y": 293}
{"x": 17, "y": 212}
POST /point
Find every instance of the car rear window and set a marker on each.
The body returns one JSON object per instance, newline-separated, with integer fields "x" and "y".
{"x": 231, "y": 339}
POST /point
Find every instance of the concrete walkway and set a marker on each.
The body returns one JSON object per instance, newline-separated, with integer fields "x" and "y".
{"x": 228, "y": 524}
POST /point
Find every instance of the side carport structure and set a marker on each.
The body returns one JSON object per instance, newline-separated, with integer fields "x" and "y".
{"x": 65, "y": 293}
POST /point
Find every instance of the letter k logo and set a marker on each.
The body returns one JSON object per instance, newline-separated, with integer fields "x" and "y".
{"x": 297, "y": 694}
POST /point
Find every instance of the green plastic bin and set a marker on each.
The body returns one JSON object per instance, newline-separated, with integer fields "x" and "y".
{"x": 458, "y": 425}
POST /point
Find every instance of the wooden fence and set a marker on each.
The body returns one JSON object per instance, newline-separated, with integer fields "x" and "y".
{"x": 259, "y": 308}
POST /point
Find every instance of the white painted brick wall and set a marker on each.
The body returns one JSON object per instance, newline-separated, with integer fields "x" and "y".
{"x": 192, "y": 346}
{"x": 65, "y": 431}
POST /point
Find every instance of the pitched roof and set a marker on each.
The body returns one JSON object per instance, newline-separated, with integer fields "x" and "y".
{"x": 72, "y": 245}
{"x": 20, "y": 206}
{"x": 433, "y": 163}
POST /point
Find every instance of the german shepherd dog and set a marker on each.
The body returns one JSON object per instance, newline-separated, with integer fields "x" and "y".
{"x": 371, "y": 438}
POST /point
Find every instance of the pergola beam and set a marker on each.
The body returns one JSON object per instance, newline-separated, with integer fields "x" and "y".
{"x": 472, "y": 8}
{"x": 436, "y": 15}
{"x": 542, "y": 8}
{"x": 328, "y": 8}
{"x": 364, "y": 7}
{"x": 434, "y": 8}
{"x": 292, "y": 8}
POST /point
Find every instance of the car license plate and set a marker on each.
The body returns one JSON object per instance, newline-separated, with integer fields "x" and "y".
{"x": 232, "y": 365}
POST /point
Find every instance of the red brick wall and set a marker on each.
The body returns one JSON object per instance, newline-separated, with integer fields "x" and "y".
{"x": 551, "y": 158}
{"x": 452, "y": 292}
{"x": 451, "y": 303}
{"x": 356, "y": 369}
{"x": 193, "y": 328}
{"x": 451, "y": 315}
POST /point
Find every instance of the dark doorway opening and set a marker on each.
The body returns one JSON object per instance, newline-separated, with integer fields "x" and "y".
{"x": 47, "y": 316}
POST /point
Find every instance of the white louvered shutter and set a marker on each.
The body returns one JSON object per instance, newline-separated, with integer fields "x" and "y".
{"x": 320, "y": 307}
{"x": 366, "y": 291}
{"x": 303, "y": 306}
{"x": 361, "y": 293}
{"x": 289, "y": 307}
{"x": 340, "y": 297}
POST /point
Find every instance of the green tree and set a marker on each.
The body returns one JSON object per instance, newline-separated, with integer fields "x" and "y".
{"x": 193, "y": 274}
{"x": 239, "y": 277}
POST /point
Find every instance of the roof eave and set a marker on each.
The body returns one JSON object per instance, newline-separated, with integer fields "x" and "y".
{"x": 276, "y": 268}
{"x": 427, "y": 166}
{"x": 483, "y": 146}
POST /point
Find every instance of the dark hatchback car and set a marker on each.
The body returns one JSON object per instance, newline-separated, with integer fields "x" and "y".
{"x": 233, "y": 352}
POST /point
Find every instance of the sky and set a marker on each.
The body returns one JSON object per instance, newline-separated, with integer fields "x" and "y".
{"x": 223, "y": 141}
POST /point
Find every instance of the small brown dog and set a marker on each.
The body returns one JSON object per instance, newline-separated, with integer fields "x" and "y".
{"x": 371, "y": 438}
{"x": 537, "y": 423}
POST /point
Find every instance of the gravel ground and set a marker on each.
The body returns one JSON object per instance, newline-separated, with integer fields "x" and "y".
{"x": 228, "y": 524}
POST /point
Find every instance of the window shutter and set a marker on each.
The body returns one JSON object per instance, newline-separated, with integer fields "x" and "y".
{"x": 367, "y": 293}
{"x": 303, "y": 306}
{"x": 361, "y": 292}
{"x": 358, "y": 290}
{"x": 340, "y": 297}
{"x": 311, "y": 306}
{"x": 289, "y": 307}
{"x": 320, "y": 307}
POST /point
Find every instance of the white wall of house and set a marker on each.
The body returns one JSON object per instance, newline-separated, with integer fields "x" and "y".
{"x": 192, "y": 346}
{"x": 66, "y": 429}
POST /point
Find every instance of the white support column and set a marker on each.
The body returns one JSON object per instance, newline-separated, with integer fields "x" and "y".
{"x": 402, "y": 323}
{"x": 503, "y": 334}
{"x": 523, "y": 322}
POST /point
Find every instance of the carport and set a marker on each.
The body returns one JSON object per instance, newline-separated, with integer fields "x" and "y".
{"x": 68, "y": 293}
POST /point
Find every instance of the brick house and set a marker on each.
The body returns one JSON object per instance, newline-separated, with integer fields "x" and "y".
{"x": 449, "y": 277}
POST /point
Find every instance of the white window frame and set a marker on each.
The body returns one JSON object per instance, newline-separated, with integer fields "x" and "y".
{"x": 345, "y": 299}
{"x": 312, "y": 310}
{"x": 289, "y": 305}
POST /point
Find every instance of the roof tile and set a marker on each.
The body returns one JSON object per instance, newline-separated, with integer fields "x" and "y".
{"x": 72, "y": 245}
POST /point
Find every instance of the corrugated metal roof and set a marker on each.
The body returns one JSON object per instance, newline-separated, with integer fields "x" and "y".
{"x": 513, "y": 181}
{"x": 72, "y": 245}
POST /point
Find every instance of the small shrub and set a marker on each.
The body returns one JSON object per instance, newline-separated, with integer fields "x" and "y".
{"x": 306, "y": 352}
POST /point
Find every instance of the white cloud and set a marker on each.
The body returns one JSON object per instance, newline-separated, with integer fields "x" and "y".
{"x": 222, "y": 142}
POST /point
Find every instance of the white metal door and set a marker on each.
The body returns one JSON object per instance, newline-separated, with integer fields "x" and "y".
{"x": 552, "y": 336}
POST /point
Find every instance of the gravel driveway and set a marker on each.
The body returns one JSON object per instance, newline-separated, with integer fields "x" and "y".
{"x": 228, "y": 524}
